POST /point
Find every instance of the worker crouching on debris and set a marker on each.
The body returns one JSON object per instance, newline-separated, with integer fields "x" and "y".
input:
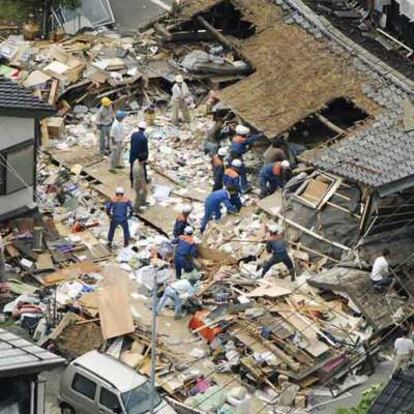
{"x": 213, "y": 203}
{"x": 380, "y": 277}
{"x": 117, "y": 138}
{"x": 139, "y": 184}
{"x": 139, "y": 148}
{"x": 272, "y": 176}
{"x": 277, "y": 247}
{"x": 178, "y": 291}
{"x": 179, "y": 100}
{"x": 181, "y": 221}
{"x": 104, "y": 119}
{"x": 119, "y": 210}
{"x": 185, "y": 252}
{"x": 217, "y": 165}
{"x": 231, "y": 179}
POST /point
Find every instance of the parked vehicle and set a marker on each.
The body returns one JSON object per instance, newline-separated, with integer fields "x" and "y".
{"x": 98, "y": 383}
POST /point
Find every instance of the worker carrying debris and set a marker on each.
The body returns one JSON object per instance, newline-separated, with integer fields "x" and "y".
{"x": 231, "y": 179}
{"x": 119, "y": 210}
{"x": 403, "y": 352}
{"x": 277, "y": 247}
{"x": 380, "y": 271}
{"x": 213, "y": 203}
{"x": 217, "y": 165}
{"x": 139, "y": 148}
{"x": 104, "y": 120}
{"x": 185, "y": 252}
{"x": 272, "y": 176}
{"x": 118, "y": 134}
{"x": 139, "y": 184}
{"x": 178, "y": 291}
{"x": 182, "y": 221}
{"x": 179, "y": 100}
{"x": 240, "y": 144}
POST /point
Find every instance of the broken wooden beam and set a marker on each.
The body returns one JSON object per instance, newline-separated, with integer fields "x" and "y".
{"x": 330, "y": 125}
{"x": 215, "y": 32}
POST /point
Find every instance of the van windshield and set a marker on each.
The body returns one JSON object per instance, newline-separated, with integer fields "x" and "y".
{"x": 138, "y": 401}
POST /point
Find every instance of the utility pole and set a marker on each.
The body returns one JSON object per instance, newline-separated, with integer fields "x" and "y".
{"x": 154, "y": 339}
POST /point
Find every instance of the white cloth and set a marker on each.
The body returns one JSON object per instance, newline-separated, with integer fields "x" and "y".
{"x": 180, "y": 91}
{"x": 380, "y": 269}
{"x": 183, "y": 287}
{"x": 117, "y": 131}
{"x": 403, "y": 346}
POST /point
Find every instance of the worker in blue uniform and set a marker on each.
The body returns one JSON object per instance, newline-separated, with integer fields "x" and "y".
{"x": 185, "y": 252}
{"x": 232, "y": 179}
{"x": 213, "y": 205}
{"x": 273, "y": 176}
{"x": 277, "y": 247}
{"x": 217, "y": 165}
{"x": 139, "y": 148}
{"x": 119, "y": 210}
{"x": 181, "y": 221}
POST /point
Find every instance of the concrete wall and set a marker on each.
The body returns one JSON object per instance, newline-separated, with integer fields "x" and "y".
{"x": 14, "y": 131}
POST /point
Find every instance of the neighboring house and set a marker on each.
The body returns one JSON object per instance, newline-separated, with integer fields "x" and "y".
{"x": 398, "y": 395}
{"x": 20, "y": 115}
{"x": 22, "y": 389}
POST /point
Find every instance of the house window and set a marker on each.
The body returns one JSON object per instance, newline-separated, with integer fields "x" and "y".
{"x": 84, "y": 386}
{"x": 17, "y": 166}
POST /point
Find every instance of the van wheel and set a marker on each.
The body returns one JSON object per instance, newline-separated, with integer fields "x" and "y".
{"x": 67, "y": 409}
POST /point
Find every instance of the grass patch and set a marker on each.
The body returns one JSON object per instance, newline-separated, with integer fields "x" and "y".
{"x": 12, "y": 10}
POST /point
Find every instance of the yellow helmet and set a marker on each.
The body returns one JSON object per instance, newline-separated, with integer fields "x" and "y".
{"x": 106, "y": 101}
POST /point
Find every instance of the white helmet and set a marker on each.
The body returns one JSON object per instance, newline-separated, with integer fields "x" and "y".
{"x": 179, "y": 79}
{"x": 273, "y": 228}
{"x": 119, "y": 190}
{"x": 242, "y": 130}
{"x": 236, "y": 163}
{"x": 188, "y": 230}
{"x": 285, "y": 164}
{"x": 222, "y": 152}
{"x": 142, "y": 125}
{"x": 186, "y": 208}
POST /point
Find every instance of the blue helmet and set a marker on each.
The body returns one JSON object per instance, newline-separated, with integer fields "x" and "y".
{"x": 120, "y": 114}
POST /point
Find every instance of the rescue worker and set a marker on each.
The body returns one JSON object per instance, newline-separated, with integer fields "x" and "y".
{"x": 277, "y": 247}
{"x": 239, "y": 146}
{"x": 273, "y": 153}
{"x": 180, "y": 96}
{"x": 231, "y": 179}
{"x": 185, "y": 252}
{"x": 104, "y": 119}
{"x": 380, "y": 274}
{"x": 217, "y": 165}
{"x": 212, "y": 206}
{"x": 403, "y": 352}
{"x": 118, "y": 134}
{"x": 178, "y": 291}
{"x": 139, "y": 148}
{"x": 119, "y": 210}
{"x": 272, "y": 176}
{"x": 181, "y": 221}
{"x": 139, "y": 184}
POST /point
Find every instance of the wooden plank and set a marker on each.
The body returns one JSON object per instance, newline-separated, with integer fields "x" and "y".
{"x": 114, "y": 311}
{"x": 53, "y": 92}
{"x": 70, "y": 272}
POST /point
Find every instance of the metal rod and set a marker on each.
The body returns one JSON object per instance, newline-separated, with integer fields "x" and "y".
{"x": 153, "y": 341}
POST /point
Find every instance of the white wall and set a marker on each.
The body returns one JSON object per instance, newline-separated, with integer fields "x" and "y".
{"x": 15, "y": 130}
{"x": 16, "y": 201}
{"x": 12, "y": 132}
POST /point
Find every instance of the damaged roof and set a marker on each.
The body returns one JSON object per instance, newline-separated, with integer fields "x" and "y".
{"x": 398, "y": 395}
{"x": 19, "y": 100}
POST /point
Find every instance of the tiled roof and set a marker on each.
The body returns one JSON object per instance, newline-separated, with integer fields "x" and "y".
{"x": 15, "y": 97}
{"x": 19, "y": 356}
{"x": 397, "y": 397}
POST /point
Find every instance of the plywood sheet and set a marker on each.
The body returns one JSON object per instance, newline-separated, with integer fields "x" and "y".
{"x": 315, "y": 191}
{"x": 270, "y": 290}
{"x": 69, "y": 273}
{"x": 114, "y": 311}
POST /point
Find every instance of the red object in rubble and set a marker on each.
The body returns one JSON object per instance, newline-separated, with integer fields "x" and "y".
{"x": 198, "y": 320}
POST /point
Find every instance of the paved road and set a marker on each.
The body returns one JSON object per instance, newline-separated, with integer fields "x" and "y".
{"x": 130, "y": 15}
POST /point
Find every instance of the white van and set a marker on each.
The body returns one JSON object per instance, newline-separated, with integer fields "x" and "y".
{"x": 97, "y": 383}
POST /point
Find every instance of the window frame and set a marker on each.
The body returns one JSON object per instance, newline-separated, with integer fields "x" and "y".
{"x": 4, "y": 162}
{"x": 77, "y": 374}
{"x": 103, "y": 405}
